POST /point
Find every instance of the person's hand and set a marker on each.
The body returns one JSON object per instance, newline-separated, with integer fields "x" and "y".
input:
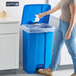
{"x": 41, "y": 15}
{"x": 68, "y": 35}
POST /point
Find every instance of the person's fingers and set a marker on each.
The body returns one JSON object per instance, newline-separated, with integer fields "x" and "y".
{"x": 40, "y": 16}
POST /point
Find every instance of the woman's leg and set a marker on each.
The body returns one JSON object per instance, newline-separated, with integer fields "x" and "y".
{"x": 58, "y": 42}
{"x": 71, "y": 45}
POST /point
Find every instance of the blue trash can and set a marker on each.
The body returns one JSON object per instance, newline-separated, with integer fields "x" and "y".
{"x": 37, "y": 39}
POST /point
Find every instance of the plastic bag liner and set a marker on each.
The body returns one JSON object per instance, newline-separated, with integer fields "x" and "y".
{"x": 37, "y": 28}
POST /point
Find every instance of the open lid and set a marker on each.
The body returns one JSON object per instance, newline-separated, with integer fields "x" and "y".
{"x": 30, "y": 11}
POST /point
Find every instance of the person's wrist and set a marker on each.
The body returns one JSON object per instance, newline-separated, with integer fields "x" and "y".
{"x": 44, "y": 14}
{"x": 69, "y": 31}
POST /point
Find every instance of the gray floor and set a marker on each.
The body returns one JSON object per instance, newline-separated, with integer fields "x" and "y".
{"x": 62, "y": 71}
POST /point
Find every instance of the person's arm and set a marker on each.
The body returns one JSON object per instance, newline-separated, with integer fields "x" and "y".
{"x": 51, "y": 11}
{"x": 72, "y": 22}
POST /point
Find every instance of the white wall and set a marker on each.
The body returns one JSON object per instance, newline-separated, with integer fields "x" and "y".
{"x": 33, "y": 1}
{"x": 11, "y": 11}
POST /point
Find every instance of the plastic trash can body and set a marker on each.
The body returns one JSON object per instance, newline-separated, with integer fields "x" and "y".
{"x": 33, "y": 51}
{"x": 37, "y": 50}
{"x": 37, "y": 47}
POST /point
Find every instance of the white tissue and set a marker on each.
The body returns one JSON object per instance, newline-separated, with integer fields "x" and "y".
{"x": 37, "y": 18}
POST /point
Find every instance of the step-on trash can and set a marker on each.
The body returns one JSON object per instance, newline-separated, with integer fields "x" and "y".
{"x": 37, "y": 38}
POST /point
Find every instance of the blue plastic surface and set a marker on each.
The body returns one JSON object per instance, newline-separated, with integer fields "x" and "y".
{"x": 37, "y": 50}
{"x": 30, "y": 11}
{"x": 37, "y": 47}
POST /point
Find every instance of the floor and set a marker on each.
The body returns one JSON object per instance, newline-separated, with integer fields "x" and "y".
{"x": 20, "y": 72}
